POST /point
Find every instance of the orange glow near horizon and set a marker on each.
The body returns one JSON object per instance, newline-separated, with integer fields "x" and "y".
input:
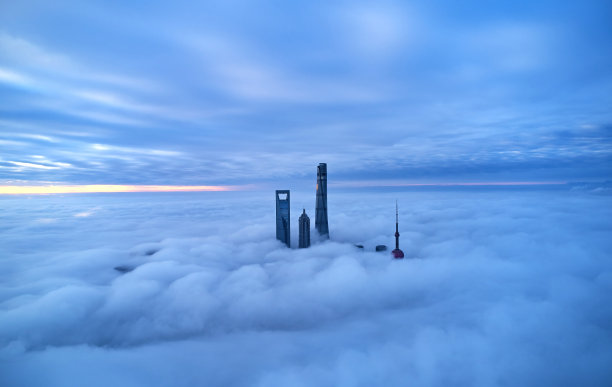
{"x": 101, "y": 188}
{"x": 111, "y": 188}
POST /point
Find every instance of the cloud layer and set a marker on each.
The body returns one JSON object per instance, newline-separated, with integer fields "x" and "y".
{"x": 502, "y": 288}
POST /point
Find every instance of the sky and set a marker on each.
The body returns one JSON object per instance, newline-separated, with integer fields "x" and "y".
{"x": 497, "y": 289}
{"x": 238, "y": 93}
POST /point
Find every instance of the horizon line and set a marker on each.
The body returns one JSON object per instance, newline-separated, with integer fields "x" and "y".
{"x": 120, "y": 188}
{"x": 113, "y": 188}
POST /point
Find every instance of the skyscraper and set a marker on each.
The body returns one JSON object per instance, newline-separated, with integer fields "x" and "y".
{"x": 304, "y": 230}
{"x": 321, "y": 209}
{"x": 283, "y": 220}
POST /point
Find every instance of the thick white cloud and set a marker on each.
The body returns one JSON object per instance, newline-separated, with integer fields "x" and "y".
{"x": 503, "y": 288}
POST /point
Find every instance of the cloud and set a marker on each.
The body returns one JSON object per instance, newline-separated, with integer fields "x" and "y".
{"x": 76, "y": 89}
{"x": 416, "y": 89}
{"x": 239, "y": 70}
{"x": 14, "y": 78}
{"x": 379, "y": 32}
{"x": 50, "y": 65}
{"x": 502, "y": 287}
{"x": 31, "y": 165}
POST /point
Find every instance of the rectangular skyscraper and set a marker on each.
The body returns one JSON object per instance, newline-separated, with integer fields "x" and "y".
{"x": 283, "y": 220}
{"x": 304, "y": 230}
{"x": 321, "y": 209}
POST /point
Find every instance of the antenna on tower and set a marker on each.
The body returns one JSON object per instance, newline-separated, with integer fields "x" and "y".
{"x": 397, "y": 253}
{"x": 396, "y": 213}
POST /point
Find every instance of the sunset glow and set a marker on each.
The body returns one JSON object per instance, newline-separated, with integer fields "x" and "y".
{"x": 99, "y": 188}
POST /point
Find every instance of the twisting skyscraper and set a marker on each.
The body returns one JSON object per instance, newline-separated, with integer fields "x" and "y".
{"x": 283, "y": 220}
{"x": 304, "y": 230}
{"x": 321, "y": 209}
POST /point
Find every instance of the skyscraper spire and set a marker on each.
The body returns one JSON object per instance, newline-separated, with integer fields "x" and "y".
{"x": 397, "y": 253}
{"x": 304, "y": 230}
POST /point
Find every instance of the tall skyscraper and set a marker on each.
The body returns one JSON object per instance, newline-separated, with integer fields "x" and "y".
{"x": 304, "y": 230}
{"x": 397, "y": 253}
{"x": 321, "y": 209}
{"x": 283, "y": 220}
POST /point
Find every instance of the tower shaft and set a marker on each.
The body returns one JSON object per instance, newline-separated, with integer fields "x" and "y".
{"x": 321, "y": 207}
{"x": 397, "y": 253}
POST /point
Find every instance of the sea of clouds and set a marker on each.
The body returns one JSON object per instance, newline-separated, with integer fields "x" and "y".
{"x": 501, "y": 288}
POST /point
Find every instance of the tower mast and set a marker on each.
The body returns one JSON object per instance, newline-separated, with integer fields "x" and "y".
{"x": 396, "y": 227}
{"x": 397, "y": 253}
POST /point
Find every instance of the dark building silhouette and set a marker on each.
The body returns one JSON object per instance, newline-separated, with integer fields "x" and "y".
{"x": 380, "y": 248}
{"x": 397, "y": 253}
{"x": 304, "y": 230}
{"x": 321, "y": 208}
{"x": 283, "y": 220}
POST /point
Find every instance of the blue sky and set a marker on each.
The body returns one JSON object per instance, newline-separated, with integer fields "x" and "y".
{"x": 257, "y": 92}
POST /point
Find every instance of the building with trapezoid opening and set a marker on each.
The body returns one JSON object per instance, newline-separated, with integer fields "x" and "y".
{"x": 283, "y": 219}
